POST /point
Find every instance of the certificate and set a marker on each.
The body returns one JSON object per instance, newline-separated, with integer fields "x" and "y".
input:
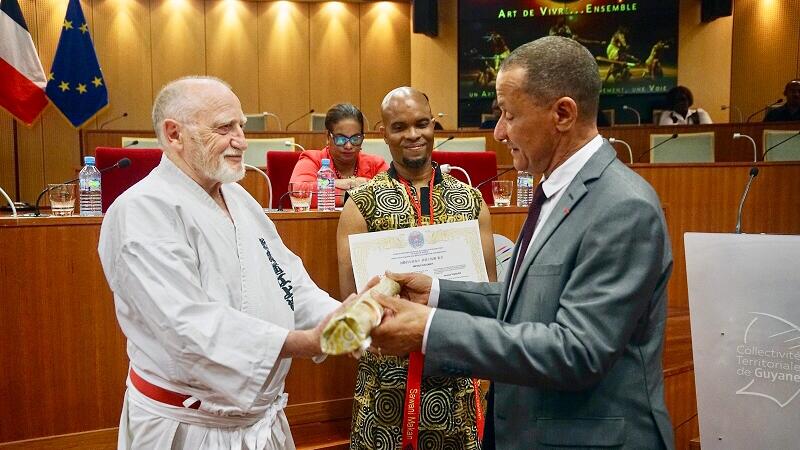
{"x": 451, "y": 251}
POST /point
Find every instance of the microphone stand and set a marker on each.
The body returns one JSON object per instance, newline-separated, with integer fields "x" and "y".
{"x": 264, "y": 175}
{"x": 674, "y": 136}
{"x": 125, "y": 114}
{"x": 638, "y": 116}
{"x": 10, "y": 203}
{"x": 630, "y": 152}
{"x": 494, "y": 177}
{"x": 753, "y": 174}
{"x": 310, "y": 111}
{"x": 755, "y": 151}
{"x": 449, "y": 138}
{"x": 775, "y": 103}
{"x": 278, "y": 119}
{"x": 779, "y": 143}
{"x": 122, "y": 163}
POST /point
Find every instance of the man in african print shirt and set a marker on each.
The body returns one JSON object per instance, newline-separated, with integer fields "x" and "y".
{"x": 413, "y": 192}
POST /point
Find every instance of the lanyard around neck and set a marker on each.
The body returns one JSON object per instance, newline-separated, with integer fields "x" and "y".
{"x": 416, "y": 203}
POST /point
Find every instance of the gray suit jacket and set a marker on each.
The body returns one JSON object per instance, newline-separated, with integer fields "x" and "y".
{"x": 574, "y": 349}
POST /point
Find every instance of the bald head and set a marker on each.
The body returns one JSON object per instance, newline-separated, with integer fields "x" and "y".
{"x": 408, "y": 129}
{"x": 185, "y": 99}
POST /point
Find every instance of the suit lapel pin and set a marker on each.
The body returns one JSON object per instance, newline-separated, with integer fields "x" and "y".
{"x": 566, "y": 211}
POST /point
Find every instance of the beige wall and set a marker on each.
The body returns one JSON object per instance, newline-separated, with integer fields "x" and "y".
{"x": 766, "y": 49}
{"x": 283, "y": 57}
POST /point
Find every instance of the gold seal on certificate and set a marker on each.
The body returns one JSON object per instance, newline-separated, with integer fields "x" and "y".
{"x": 450, "y": 251}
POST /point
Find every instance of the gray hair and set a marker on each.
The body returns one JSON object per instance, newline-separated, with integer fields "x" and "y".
{"x": 558, "y": 67}
{"x": 177, "y": 101}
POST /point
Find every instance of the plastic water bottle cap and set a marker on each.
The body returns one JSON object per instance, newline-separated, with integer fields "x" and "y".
{"x": 326, "y": 162}
{"x": 88, "y": 160}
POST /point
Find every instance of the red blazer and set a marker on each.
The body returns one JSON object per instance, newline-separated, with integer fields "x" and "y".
{"x": 311, "y": 160}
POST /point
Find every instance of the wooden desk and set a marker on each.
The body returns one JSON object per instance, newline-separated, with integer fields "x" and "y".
{"x": 63, "y": 356}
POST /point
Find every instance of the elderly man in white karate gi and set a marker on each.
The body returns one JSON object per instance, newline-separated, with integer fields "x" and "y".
{"x": 212, "y": 302}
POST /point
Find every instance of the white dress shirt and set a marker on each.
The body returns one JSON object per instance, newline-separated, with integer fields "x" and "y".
{"x": 554, "y": 187}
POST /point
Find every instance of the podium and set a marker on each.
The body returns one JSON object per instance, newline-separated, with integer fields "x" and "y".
{"x": 744, "y": 302}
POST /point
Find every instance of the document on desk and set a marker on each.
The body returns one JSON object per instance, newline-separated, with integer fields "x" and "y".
{"x": 450, "y": 250}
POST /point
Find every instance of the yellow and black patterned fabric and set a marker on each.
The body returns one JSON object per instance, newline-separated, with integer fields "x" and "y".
{"x": 447, "y": 414}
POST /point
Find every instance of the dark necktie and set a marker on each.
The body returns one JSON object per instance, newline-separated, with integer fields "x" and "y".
{"x": 530, "y": 225}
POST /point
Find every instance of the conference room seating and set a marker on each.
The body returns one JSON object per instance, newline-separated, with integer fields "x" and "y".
{"x": 279, "y": 169}
{"x": 461, "y": 144}
{"x": 787, "y": 151}
{"x": 117, "y": 181}
{"x": 479, "y": 165}
{"x": 687, "y": 148}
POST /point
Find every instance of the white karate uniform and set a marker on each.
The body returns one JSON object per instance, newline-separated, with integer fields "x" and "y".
{"x": 206, "y": 304}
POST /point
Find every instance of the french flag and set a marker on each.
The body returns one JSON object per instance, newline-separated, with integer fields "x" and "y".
{"x": 22, "y": 89}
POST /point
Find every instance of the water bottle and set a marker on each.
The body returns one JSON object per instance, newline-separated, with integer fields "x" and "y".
{"x": 326, "y": 192}
{"x": 524, "y": 188}
{"x": 89, "y": 182}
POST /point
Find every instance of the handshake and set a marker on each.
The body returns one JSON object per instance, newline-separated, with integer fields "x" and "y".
{"x": 377, "y": 316}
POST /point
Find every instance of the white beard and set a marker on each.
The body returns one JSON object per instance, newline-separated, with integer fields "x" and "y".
{"x": 216, "y": 169}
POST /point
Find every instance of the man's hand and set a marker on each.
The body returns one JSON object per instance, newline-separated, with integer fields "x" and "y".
{"x": 306, "y": 343}
{"x": 402, "y": 329}
{"x": 413, "y": 286}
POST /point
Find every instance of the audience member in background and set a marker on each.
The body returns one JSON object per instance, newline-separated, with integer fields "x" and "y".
{"x": 414, "y": 192}
{"x": 790, "y": 111}
{"x": 345, "y": 125}
{"x": 212, "y": 303}
{"x": 490, "y": 123}
{"x": 680, "y": 99}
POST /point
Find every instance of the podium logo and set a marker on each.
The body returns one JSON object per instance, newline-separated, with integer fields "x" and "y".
{"x": 769, "y": 357}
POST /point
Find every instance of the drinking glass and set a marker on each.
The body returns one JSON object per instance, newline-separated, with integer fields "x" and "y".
{"x": 300, "y": 195}
{"x": 62, "y": 199}
{"x": 501, "y": 191}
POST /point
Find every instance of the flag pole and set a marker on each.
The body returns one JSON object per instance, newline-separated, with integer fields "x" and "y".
{"x": 15, "y": 152}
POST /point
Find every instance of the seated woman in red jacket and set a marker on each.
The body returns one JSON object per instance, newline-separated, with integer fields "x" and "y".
{"x": 345, "y": 125}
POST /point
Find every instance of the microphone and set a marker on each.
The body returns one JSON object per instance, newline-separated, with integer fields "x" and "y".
{"x": 753, "y": 173}
{"x": 493, "y": 177}
{"x": 376, "y": 125}
{"x": 776, "y": 102}
{"x": 635, "y": 111}
{"x": 122, "y": 163}
{"x": 278, "y": 119}
{"x": 446, "y": 168}
{"x": 630, "y": 152}
{"x": 735, "y": 108}
{"x": 764, "y": 158}
{"x": 123, "y": 115}
{"x": 10, "y": 203}
{"x": 674, "y": 136}
{"x": 280, "y": 200}
{"x": 131, "y": 143}
{"x": 755, "y": 152}
{"x": 449, "y": 138}
{"x": 310, "y": 111}
{"x": 292, "y": 144}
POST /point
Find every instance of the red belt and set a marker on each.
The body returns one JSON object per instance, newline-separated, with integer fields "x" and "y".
{"x": 160, "y": 394}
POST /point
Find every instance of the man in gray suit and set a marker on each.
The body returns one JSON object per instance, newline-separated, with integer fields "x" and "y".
{"x": 572, "y": 338}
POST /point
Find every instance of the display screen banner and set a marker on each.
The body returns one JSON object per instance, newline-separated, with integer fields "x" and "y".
{"x": 744, "y": 305}
{"x": 634, "y": 42}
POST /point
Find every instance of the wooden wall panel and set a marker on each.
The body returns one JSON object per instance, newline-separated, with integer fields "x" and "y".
{"x": 60, "y": 143}
{"x": 385, "y": 52}
{"x": 8, "y": 178}
{"x": 696, "y": 42}
{"x": 283, "y": 58}
{"x": 178, "y": 40}
{"x": 334, "y": 39}
{"x": 231, "y": 47}
{"x": 123, "y": 45}
{"x": 766, "y": 43}
{"x": 434, "y": 64}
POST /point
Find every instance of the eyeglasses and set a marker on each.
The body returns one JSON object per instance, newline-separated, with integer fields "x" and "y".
{"x": 340, "y": 140}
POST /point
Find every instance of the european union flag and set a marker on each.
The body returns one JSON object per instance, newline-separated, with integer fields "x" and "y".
{"x": 75, "y": 84}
